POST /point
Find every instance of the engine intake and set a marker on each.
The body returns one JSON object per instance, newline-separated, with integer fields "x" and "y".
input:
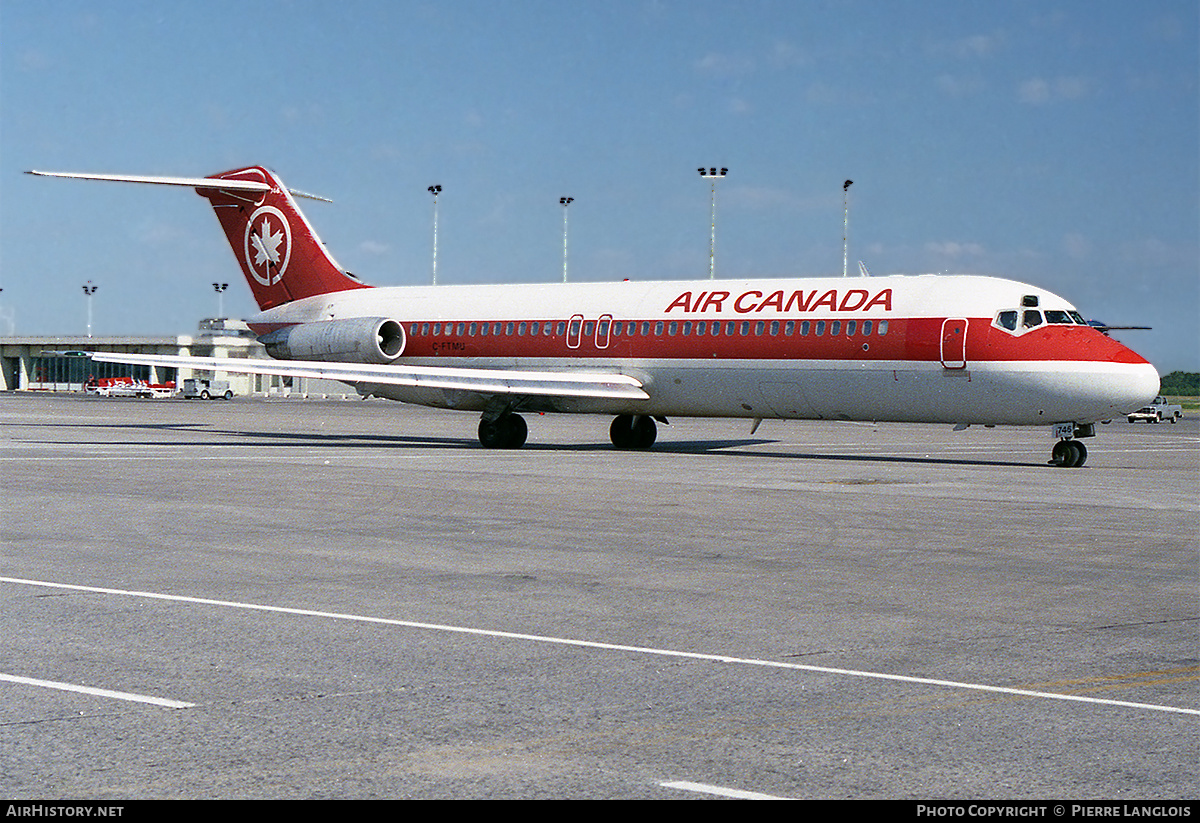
{"x": 376, "y": 340}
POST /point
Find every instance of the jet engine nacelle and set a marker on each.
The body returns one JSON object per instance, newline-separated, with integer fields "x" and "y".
{"x": 376, "y": 340}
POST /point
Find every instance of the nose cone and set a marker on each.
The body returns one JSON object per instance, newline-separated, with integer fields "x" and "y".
{"x": 1139, "y": 389}
{"x": 1119, "y": 379}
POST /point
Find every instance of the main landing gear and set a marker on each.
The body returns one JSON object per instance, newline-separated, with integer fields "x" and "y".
{"x": 633, "y": 431}
{"x": 508, "y": 431}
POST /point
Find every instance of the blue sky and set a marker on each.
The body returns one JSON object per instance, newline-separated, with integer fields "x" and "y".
{"x": 1057, "y": 143}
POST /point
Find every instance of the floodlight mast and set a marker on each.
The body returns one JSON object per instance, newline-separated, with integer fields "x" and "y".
{"x": 846, "y": 225}
{"x": 435, "y": 190}
{"x": 565, "y": 201}
{"x": 713, "y": 175}
{"x": 89, "y": 290}
{"x": 220, "y": 288}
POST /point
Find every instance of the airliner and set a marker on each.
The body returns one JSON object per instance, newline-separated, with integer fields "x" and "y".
{"x": 954, "y": 349}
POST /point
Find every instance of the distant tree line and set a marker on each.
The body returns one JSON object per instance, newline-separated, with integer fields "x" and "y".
{"x": 1181, "y": 383}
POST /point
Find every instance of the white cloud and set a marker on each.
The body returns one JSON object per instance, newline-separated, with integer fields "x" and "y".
{"x": 1076, "y": 245}
{"x": 954, "y": 249}
{"x": 1040, "y": 91}
{"x": 979, "y": 45}
{"x": 724, "y": 65}
{"x": 374, "y": 247}
{"x": 953, "y": 86}
{"x": 738, "y": 105}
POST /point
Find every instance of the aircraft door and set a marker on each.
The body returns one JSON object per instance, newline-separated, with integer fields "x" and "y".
{"x": 603, "y": 326}
{"x": 574, "y": 331}
{"x": 954, "y": 343}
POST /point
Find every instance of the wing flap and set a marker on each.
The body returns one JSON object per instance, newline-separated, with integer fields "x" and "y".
{"x": 483, "y": 381}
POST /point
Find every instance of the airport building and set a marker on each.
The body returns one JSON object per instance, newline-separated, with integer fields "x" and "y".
{"x": 50, "y": 363}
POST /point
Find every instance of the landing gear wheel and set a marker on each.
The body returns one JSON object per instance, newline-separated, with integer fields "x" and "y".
{"x": 506, "y": 432}
{"x": 630, "y": 432}
{"x": 1069, "y": 454}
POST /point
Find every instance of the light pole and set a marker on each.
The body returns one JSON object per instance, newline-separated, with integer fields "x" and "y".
{"x": 713, "y": 175}
{"x": 846, "y": 224}
{"x": 220, "y": 290}
{"x": 89, "y": 290}
{"x": 565, "y": 201}
{"x": 435, "y": 191}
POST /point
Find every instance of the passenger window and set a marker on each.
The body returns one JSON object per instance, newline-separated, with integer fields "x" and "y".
{"x": 1007, "y": 320}
{"x": 658, "y": 328}
{"x": 883, "y": 324}
{"x": 866, "y": 328}
{"x": 789, "y": 328}
{"x": 820, "y": 330}
{"x": 774, "y": 328}
{"x": 804, "y": 327}
{"x": 851, "y": 327}
{"x": 835, "y": 328}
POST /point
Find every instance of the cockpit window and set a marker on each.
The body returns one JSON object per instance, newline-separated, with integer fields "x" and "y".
{"x": 1029, "y": 318}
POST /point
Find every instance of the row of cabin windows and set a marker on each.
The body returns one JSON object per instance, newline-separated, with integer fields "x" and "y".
{"x": 646, "y": 328}
{"x": 1030, "y": 318}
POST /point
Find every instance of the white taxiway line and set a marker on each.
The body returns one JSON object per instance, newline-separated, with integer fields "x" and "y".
{"x": 71, "y": 687}
{"x": 739, "y": 794}
{"x": 592, "y": 644}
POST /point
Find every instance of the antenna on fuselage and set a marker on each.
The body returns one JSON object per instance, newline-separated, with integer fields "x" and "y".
{"x": 846, "y": 225}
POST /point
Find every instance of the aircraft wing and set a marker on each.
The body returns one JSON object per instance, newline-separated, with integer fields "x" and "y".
{"x": 482, "y": 381}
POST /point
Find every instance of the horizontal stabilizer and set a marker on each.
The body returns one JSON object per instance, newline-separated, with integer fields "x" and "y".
{"x": 205, "y": 183}
{"x": 482, "y": 381}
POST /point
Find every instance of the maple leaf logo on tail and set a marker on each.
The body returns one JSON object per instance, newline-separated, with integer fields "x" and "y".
{"x": 268, "y": 245}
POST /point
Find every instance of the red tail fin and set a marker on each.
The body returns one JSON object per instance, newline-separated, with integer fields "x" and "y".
{"x": 280, "y": 254}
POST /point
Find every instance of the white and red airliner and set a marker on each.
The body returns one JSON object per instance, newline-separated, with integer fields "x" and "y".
{"x": 954, "y": 349}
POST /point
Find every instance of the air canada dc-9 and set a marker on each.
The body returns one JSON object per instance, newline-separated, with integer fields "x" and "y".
{"x": 954, "y": 349}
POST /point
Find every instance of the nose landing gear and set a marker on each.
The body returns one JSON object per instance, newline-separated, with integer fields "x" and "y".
{"x": 1069, "y": 454}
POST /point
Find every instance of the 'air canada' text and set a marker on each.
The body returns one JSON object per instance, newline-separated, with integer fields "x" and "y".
{"x": 779, "y": 301}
